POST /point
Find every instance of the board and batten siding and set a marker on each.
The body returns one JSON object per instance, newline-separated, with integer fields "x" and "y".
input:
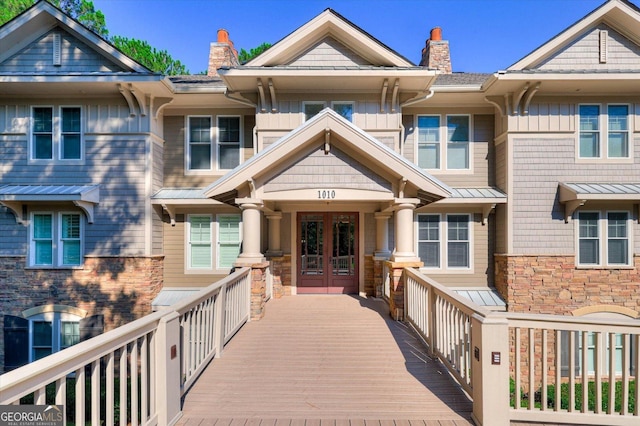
{"x": 482, "y": 258}
{"x": 75, "y": 56}
{"x": 584, "y": 53}
{"x": 539, "y": 165}
{"x": 328, "y": 52}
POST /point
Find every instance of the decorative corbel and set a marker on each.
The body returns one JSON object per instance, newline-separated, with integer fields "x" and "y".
{"x": 140, "y": 98}
{"x": 87, "y": 208}
{"x": 171, "y": 211}
{"x": 570, "y": 207}
{"x": 638, "y": 213}
{"x": 531, "y": 93}
{"x": 497, "y": 102}
{"x": 383, "y": 94}
{"x": 263, "y": 100}
{"x": 401, "y": 184}
{"x": 252, "y": 187}
{"x": 158, "y": 104}
{"x": 327, "y": 140}
{"x": 126, "y": 94}
{"x": 272, "y": 92}
{"x": 19, "y": 210}
{"x": 486, "y": 211}
{"x": 517, "y": 97}
{"x": 394, "y": 97}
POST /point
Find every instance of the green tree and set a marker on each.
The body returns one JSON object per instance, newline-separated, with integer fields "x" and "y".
{"x": 245, "y": 56}
{"x": 150, "y": 57}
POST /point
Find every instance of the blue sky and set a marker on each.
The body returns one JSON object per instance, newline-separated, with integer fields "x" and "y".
{"x": 484, "y": 35}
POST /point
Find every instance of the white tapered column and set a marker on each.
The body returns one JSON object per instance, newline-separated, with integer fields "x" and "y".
{"x": 251, "y": 232}
{"x": 404, "y": 230}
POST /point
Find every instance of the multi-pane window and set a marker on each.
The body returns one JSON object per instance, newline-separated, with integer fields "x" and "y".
{"x": 444, "y": 144}
{"x": 199, "y": 143}
{"x": 604, "y": 132}
{"x": 56, "y": 239}
{"x": 429, "y": 141}
{"x": 444, "y": 242}
{"x": 311, "y": 109}
{"x": 344, "y": 109}
{"x": 199, "y": 243}
{"x": 229, "y": 239}
{"x": 603, "y": 240}
{"x": 56, "y": 137}
{"x": 228, "y": 142}
{"x": 52, "y": 332}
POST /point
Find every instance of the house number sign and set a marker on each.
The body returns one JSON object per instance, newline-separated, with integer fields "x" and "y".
{"x": 326, "y": 194}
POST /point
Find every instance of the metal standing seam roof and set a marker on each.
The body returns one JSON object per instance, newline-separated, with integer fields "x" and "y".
{"x": 486, "y": 297}
{"x": 179, "y": 194}
{"x": 604, "y": 188}
{"x": 49, "y": 192}
{"x": 477, "y": 193}
{"x": 168, "y": 297}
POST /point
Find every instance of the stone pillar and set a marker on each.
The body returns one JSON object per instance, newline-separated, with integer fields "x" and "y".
{"x": 258, "y": 290}
{"x": 396, "y": 287}
{"x": 251, "y": 232}
{"x": 404, "y": 251}
{"x": 274, "y": 249}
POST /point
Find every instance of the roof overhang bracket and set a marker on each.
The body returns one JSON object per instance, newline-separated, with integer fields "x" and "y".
{"x": 401, "y": 185}
{"x": 497, "y": 102}
{"x": 486, "y": 211}
{"x": 517, "y": 97}
{"x": 272, "y": 92}
{"x": 19, "y": 210}
{"x": 527, "y": 100}
{"x": 637, "y": 206}
{"x": 171, "y": 211}
{"x": 158, "y": 104}
{"x": 126, "y": 94}
{"x": 252, "y": 187}
{"x": 87, "y": 208}
{"x": 383, "y": 94}
{"x": 570, "y": 207}
{"x": 394, "y": 97}
{"x": 140, "y": 98}
{"x": 263, "y": 100}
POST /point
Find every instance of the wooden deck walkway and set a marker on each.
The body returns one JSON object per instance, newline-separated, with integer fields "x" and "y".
{"x": 325, "y": 360}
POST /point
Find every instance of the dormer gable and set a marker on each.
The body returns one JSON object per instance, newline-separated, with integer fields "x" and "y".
{"x": 330, "y": 25}
{"x": 329, "y": 52}
{"x": 45, "y": 34}
{"x": 606, "y": 39}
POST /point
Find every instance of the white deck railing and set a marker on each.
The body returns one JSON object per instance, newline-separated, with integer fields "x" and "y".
{"x": 529, "y": 368}
{"x": 137, "y": 373}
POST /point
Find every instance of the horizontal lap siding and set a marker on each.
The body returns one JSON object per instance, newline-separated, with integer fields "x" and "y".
{"x": 75, "y": 57}
{"x": 538, "y": 166}
{"x": 14, "y": 236}
{"x": 501, "y": 210}
{"x": 157, "y": 183}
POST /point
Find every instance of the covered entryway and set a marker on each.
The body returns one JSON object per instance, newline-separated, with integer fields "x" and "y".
{"x": 328, "y": 253}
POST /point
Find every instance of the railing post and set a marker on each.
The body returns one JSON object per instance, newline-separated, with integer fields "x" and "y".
{"x": 220, "y": 307}
{"x": 490, "y": 370}
{"x": 432, "y": 329}
{"x": 168, "y": 369}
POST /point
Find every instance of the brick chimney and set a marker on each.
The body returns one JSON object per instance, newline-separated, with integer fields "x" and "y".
{"x": 436, "y": 52}
{"x": 222, "y": 53}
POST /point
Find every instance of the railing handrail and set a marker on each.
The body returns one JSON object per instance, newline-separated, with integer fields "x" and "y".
{"x": 26, "y": 379}
{"x": 566, "y": 322}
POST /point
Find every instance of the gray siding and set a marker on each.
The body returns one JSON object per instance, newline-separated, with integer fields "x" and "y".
{"x": 328, "y": 52}
{"x": 501, "y": 177}
{"x": 14, "y": 235}
{"x": 336, "y": 170}
{"x": 157, "y": 154}
{"x": 369, "y": 229}
{"x": 75, "y": 57}
{"x": 538, "y": 166}
{"x": 408, "y": 146}
{"x": 584, "y": 53}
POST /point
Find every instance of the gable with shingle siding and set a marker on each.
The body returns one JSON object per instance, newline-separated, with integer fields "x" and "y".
{"x": 75, "y": 57}
{"x": 329, "y": 52}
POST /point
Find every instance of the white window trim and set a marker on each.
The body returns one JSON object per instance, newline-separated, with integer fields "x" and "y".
{"x": 187, "y": 237}
{"x": 353, "y": 107}
{"x": 305, "y": 103}
{"x": 603, "y": 131}
{"x": 56, "y": 136}
{"x": 217, "y": 250}
{"x": 56, "y": 237}
{"x": 444, "y": 252}
{"x": 218, "y": 143}
{"x": 603, "y": 239}
{"x": 443, "y": 143}
{"x": 56, "y": 318}
{"x": 187, "y": 147}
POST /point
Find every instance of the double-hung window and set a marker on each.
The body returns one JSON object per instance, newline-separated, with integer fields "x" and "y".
{"x": 444, "y": 144}
{"x": 444, "y": 241}
{"x": 199, "y": 243}
{"x": 604, "y": 132}
{"x": 228, "y": 142}
{"x": 603, "y": 240}
{"x": 56, "y": 136}
{"x": 229, "y": 239}
{"x": 52, "y": 332}
{"x": 199, "y": 143}
{"x": 56, "y": 239}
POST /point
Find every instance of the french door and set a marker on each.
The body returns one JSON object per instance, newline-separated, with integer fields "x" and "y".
{"x": 327, "y": 253}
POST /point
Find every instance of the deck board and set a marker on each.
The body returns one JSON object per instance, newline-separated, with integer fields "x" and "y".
{"x": 325, "y": 361}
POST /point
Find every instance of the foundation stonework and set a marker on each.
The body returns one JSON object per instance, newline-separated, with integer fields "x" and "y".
{"x": 120, "y": 288}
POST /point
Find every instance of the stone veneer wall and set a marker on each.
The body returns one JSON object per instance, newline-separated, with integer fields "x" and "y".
{"x": 281, "y": 275}
{"x": 553, "y": 284}
{"x": 120, "y": 288}
{"x": 369, "y": 275}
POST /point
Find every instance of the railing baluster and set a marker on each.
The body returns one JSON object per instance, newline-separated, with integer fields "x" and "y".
{"x": 80, "y": 396}
{"x": 134, "y": 384}
{"x": 40, "y": 396}
{"x": 585, "y": 372}
{"x": 109, "y": 389}
{"x": 558, "y": 399}
{"x": 612, "y": 373}
{"x": 144, "y": 379}
{"x": 61, "y": 395}
{"x": 598, "y": 361}
{"x": 123, "y": 384}
{"x": 545, "y": 369}
{"x": 624, "y": 409}
{"x": 572, "y": 371}
{"x": 532, "y": 367}
{"x": 95, "y": 393}
{"x": 636, "y": 371}
{"x": 518, "y": 368}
